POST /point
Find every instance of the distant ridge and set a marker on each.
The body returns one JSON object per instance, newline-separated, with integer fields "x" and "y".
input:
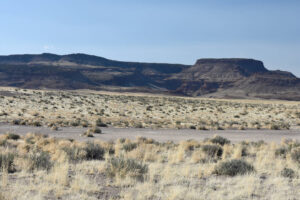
{"x": 218, "y": 78}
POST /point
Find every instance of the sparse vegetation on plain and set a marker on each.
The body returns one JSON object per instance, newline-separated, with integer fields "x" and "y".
{"x": 94, "y": 109}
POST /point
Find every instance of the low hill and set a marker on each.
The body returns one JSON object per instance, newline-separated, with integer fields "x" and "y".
{"x": 220, "y": 78}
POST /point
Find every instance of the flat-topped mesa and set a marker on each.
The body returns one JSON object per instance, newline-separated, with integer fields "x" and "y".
{"x": 245, "y": 66}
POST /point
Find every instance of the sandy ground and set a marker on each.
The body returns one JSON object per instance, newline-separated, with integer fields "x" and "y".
{"x": 161, "y": 135}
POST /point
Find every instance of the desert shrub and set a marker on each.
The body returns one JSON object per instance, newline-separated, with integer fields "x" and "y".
{"x": 274, "y": 127}
{"x": 94, "y": 151}
{"x": 193, "y": 127}
{"x": 288, "y": 173}
{"x": 285, "y": 126}
{"x": 29, "y": 140}
{"x": 258, "y": 143}
{"x": 281, "y": 152}
{"x": 84, "y": 124}
{"x": 39, "y": 160}
{"x": 2, "y": 197}
{"x": 91, "y": 151}
{"x": 12, "y": 136}
{"x": 143, "y": 140}
{"x": 244, "y": 151}
{"x": 36, "y": 123}
{"x": 280, "y": 126}
{"x": 88, "y": 133}
{"x": 203, "y": 128}
{"x": 54, "y": 128}
{"x": 138, "y": 125}
{"x": 121, "y": 140}
{"x": 16, "y": 122}
{"x": 74, "y": 154}
{"x": 96, "y": 130}
{"x": 7, "y": 162}
{"x": 129, "y": 147}
{"x": 100, "y": 123}
{"x": 3, "y": 142}
{"x": 212, "y": 150}
{"x": 121, "y": 167}
{"x": 293, "y": 145}
{"x": 75, "y": 123}
{"x": 296, "y": 155}
{"x": 233, "y": 168}
{"x": 219, "y": 140}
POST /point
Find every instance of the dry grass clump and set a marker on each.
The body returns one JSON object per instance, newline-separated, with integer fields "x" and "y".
{"x": 7, "y": 162}
{"x": 38, "y": 160}
{"x": 39, "y": 167}
{"x": 88, "y": 133}
{"x": 96, "y": 130}
{"x": 288, "y": 173}
{"x": 91, "y": 131}
{"x": 122, "y": 167}
{"x": 212, "y": 150}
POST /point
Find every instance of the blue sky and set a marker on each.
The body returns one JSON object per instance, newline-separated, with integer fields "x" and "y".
{"x": 156, "y": 31}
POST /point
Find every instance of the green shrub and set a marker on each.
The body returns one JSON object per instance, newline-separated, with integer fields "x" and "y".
{"x": 212, "y": 150}
{"x": 288, "y": 173}
{"x": 219, "y": 140}
{"x": 119, "y": 166}
{"x": 7, "y": 162}
{"x": 39, "y": 160}
{"x": 233, "y": 168}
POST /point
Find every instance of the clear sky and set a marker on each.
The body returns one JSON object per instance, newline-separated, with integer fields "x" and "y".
{"x": 174, "y": 31}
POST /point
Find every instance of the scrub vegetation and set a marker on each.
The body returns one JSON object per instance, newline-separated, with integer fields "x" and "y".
{"x": 39, "y": 167}
{"x": 99, "y": 109}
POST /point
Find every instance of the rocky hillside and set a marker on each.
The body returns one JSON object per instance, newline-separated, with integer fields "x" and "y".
{"x": 220, "y": 78}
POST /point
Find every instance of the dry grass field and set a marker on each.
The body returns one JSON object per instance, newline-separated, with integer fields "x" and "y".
{"x": 35, "y": 166}
{"x": 87, "y": 109}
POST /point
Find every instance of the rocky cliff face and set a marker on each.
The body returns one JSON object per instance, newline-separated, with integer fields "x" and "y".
{"x": 220, "y": 78}
{"x": 237, "y": 78}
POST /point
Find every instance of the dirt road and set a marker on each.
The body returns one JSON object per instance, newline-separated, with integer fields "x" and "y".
{"x": 160, "y": 135}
